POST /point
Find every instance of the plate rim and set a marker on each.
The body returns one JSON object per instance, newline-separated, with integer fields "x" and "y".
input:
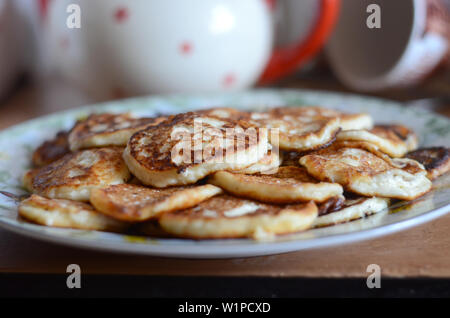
{"x": 197, "y": 251}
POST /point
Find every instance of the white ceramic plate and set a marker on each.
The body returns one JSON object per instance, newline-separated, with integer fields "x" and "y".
{"x": 17, "y": 143}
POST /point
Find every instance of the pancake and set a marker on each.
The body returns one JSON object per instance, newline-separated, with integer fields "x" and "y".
{"x": 394, "y": 140}
{"x": 224, "y": 112}
{"x": 364, "y": 173}
{"x": 299, "y": 128}
{"x": 67, "y": 214}
{"x": 351, "y": 210}
{"x": 287, "y": 185}
{"x": 404, "y": 133}
{"x": 435, "y": 159}
{"x": 76, "y": 174}
{"x": 225, "y": 216}
{"x": 268, "y": 164}
{"x": 347, "y": 121}
{"x": 407, "y": 164}
{"x": 51, "y": 150}
{"x": 101, "y": 130}
{"x": 187, "y": 147}
{"x": 135, "y": 203}
{"x": 355, "y": 121}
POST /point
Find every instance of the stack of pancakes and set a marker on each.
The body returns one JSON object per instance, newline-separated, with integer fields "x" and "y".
{"x": 224, "y": 173}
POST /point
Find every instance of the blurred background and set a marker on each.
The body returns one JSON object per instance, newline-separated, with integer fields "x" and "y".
{"x": 59, "y": 54}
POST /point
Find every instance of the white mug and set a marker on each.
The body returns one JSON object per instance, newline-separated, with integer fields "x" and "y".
{"x": 411, "y": 42}
{"x": 141, "y": 46}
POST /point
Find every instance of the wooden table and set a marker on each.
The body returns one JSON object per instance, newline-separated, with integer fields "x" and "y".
{"x": 419, "y": 252}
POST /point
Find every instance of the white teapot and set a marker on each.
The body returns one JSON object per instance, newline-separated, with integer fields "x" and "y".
{"x": 146, "y": 46}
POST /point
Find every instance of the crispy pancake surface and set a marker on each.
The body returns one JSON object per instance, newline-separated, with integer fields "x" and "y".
{"x": 187, "y": 147}
{"x": 364, "y": 173}
{"x": 76, "y": 174}
{"x": 300, "y": 128}
{"x": 51, "y": 150}
{"x": 101, "y": 130}
{"x": 225, "y": 216}
{"x": 135, "y": 203}
{"x": 394, "y": 140}
{"x": 351, "y": 210}
{"x": 287, "y": 185}
{"x": 435, "y": 159}
{"x": 66, "y": 213}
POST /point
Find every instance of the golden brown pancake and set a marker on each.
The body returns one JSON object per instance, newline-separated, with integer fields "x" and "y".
{"x": 364, "y": 173}
{"x": 352, "y": 209}
{"x": 394, "y": 140}
{"x": 300, "y": 128}
{"x": 225, "y": 112}
{"x": 405, "y": 134}
{"x": 135, "y": 203}
{"x": 51, "y": 150}
{"x": 67, "y": 214}
{"x": 101, "y": 130}
{"x": 435, "y": 159}
{"x": 225, "y": 216}
{"x": 407, "y": 164}
{"x": 287, "y": 185}
{"x": 75, "y": 175}
{"x": 347, "y": 121}
{"x": 187, "y": 147}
